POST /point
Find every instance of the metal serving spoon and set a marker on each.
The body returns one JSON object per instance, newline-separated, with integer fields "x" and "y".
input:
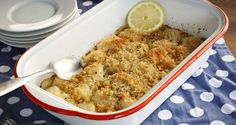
{"x": 64, "y": 68}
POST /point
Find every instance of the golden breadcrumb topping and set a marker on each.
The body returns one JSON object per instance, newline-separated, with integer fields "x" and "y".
{"x": 122, "y": 68}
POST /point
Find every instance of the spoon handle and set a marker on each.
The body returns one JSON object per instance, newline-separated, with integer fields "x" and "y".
{"x": 10, "y": 85}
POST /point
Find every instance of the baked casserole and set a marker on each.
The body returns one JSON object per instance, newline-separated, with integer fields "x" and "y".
{"x": 122, "y": 68}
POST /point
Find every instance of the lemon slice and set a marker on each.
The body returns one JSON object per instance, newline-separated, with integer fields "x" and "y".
{"x": 146, "y": 16}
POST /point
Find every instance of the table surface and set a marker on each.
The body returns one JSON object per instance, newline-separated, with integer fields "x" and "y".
{"x": 229, "y": 6}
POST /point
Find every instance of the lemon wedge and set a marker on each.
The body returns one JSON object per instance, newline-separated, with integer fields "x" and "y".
{"x": 146, "y": 16}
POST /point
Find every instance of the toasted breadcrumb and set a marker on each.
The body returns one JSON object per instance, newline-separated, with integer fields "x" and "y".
{"x": 122, "y": 68}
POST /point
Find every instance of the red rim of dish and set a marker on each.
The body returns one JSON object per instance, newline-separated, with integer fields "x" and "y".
{"x": 145, "y": 102}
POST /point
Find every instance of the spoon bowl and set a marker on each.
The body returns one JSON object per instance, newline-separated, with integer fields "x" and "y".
{"x": 63, "y": 68}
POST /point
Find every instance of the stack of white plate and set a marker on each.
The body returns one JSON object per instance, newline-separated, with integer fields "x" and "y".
{"x": 23, "y": 23}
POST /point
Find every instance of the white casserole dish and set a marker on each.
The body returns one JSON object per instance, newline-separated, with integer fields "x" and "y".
{"x": 78, "y": 37}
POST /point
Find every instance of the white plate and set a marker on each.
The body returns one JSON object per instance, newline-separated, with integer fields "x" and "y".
{"x": 19, "y": 45}
{"x": 30, "y": 15}
{"x": 26, "y": 38}
{"x": 19, "y": 35}
{"x": 22, "y": 41}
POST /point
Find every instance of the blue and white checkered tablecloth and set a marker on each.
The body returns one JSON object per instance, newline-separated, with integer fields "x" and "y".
{"x": 207, "y": 98}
